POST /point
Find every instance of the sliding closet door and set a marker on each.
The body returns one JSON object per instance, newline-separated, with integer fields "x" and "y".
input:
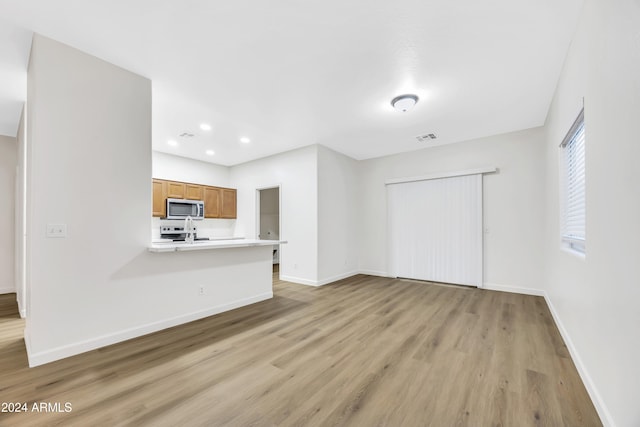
{"x": 435, "y": 229}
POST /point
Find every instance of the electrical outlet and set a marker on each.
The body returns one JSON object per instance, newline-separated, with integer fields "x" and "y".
{"x": 57, "y": 230}
{"x": 201, "y": 290}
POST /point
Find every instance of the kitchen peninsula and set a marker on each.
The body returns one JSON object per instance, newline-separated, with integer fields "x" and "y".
{"x": 212, "y": 244}
{"x": 193, "y": 239}
{"x": 228, "y": 273}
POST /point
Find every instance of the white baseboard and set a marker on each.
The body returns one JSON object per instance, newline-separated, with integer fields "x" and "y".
{"x": 601, "y": 408}
{"x": 336, "y": 278}
{"x": 22, "y": 310}
{"x": 298, "y": 280}
{"x": 374, "y": 273}
{"x": 7, "y": 290}
{"x": 513, "y": 289}
{"x": 321, "y": 282}
{"x": 36, "y": 359}
{"x": 345, "y": 275}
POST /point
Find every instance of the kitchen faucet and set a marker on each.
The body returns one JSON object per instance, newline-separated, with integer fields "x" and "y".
{"x": 188, "y": 229}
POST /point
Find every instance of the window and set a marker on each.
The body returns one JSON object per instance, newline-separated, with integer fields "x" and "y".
{"x": 573, "y": 211}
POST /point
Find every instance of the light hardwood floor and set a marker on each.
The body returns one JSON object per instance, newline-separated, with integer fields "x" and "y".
{"x": 364, "y": 351}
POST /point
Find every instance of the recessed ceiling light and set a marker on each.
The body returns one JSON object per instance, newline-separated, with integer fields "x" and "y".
{"x": 245, "y": 140}
{"x": 404, "y": 102}
{"x": 172, "y": 142}
{"x": 210, "y": 152}
{"x": 205, "y": 126}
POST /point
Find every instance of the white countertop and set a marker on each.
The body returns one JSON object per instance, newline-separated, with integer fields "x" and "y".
{"x": 211, "y": 244}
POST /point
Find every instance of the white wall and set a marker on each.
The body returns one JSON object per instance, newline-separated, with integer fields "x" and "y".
{"x": 596, "y": 298}
{"x": 296, "y": 172}
{"x": 89, "y": 151}
{"x": 512, "y": 202}
{"x": 8, "y": 163}
{"x": 176, "y": 168}
{"x": 338, "y": 215}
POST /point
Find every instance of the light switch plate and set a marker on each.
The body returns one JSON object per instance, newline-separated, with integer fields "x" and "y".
{"x": 57, "y": 230}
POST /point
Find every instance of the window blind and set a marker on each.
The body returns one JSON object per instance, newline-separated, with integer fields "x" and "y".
{"x": 573, "y": 232}
{"x": 435, "y": 230}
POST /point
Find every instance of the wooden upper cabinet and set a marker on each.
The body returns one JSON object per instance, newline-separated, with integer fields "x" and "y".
{"x": 218, "y": 202}
{"x": 194, "y": 192}
{"x": 175, "y": 190}
{"x": 229, "y": 203}
{"x": 212, "y": 202}
{"x": 159, "y": 198}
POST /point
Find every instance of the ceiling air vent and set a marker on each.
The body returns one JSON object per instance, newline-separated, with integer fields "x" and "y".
{"x": 426, "y": 137}
{"x": 186, "y": 135}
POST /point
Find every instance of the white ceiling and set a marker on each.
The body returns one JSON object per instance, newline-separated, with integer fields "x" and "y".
{"x": 292, "y": 73}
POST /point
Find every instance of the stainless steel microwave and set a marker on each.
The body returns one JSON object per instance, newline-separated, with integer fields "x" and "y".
{"x": 182, "y": 208}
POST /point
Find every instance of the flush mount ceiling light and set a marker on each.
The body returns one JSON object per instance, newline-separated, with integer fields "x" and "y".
{"x": 172, "y": 142}
{"x": 210, "y": 152}
{"x": 245, "y": 140}
{"x": 404, "y": 103}
{"x": 205, "y": 126}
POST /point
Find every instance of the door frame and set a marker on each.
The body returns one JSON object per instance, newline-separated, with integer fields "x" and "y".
{"x": 280, "y": 222}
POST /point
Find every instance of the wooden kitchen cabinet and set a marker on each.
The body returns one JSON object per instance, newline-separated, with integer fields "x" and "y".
{"x": 175, "y": 190}
{"x": 159, "y": 208}
{"x": 193, "y": 192}
{"x": 212, "y": 202}
{"x": 218, "y": 202}
{"x": 229, "y": 203}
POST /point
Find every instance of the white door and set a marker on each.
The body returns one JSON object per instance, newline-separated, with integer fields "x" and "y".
{"x": 435, "y": 229}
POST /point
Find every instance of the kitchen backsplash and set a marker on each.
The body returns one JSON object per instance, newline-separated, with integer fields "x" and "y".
{"x": 211, "y": 228}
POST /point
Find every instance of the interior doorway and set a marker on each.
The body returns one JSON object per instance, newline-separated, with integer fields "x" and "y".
{"x": 268, "y": 219}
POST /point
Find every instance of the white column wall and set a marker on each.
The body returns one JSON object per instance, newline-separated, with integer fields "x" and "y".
{"x": 89, "y": 151}
{"x": 296, "y": 172}
{"x": 338, "y": 215}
